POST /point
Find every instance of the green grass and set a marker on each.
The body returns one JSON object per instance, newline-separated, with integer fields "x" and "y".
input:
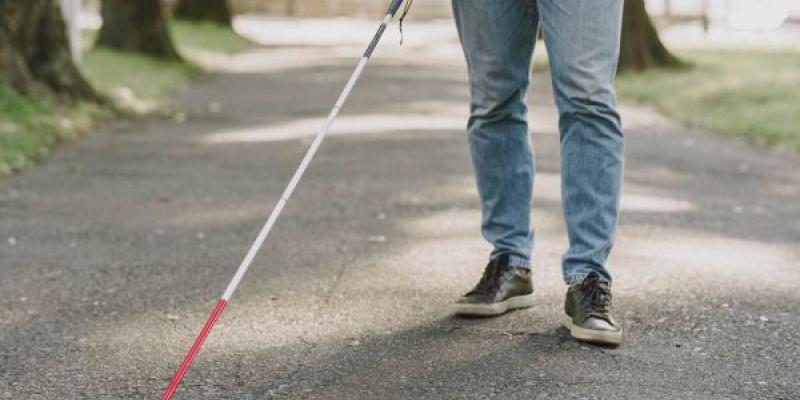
{"x": 30, "y": 126}
{"x": 206, "y": 37}
{"x": 753, "y": 94}
{"x": 24, "y": 130}
{"x": 142, "y": 84}
{"x": 132, "y": 78}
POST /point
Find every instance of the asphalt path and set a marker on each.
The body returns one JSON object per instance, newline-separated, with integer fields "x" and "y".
{"x": 115, "y": 248}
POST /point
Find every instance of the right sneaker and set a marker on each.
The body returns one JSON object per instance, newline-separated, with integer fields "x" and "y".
{"x": 501, "y": 288}
{"x": 588, "y": 313}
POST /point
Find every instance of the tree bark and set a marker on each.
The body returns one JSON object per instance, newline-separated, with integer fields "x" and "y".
{"x": 205, "y": 10}
{"x": 35, "y": 55}
{"x": 641, "y": 48}
{"x": 136, "y": 26}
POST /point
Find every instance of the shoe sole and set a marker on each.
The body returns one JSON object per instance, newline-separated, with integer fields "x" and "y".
{"x": 591, "y": 335}
{"x": 488, "y": 310}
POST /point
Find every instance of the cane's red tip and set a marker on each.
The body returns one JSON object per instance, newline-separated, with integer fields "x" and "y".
{"x": 198, "y": 343}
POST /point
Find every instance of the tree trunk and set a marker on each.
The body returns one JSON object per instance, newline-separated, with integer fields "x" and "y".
{"x": 641, "y": 46}
{"x": 136, "y": 26}
{"x": 34, "y": 51}
{"x": 205, "y": 10}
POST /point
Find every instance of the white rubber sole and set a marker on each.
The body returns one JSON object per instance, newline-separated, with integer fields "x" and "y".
{"x": 488, "y": 310}
{"x": 591, "y": 335}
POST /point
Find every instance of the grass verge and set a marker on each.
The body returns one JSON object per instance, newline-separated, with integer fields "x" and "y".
{"x": 206, "y": 37}
{"x": 752, "y": 94}
{"x": 136, "y": 83}
{"x": 30, "y": 126}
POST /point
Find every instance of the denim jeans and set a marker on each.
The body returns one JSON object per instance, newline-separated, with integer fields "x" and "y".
{"x": 582, "y": 39}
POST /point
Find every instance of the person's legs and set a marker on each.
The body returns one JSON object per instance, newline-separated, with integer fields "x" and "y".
{"x": 498, "y": 38}
{"x": 582, "y": 39}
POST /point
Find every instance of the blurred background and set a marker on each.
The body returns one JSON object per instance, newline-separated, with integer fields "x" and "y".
{"x": 725, "y": 44}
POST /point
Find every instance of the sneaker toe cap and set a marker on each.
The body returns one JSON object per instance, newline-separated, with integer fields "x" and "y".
{"x": 598, "y": 324}
{"x": 472, "y": 299}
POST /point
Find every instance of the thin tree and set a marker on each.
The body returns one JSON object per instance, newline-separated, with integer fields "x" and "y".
{"x": 641, "y": 46}
{"x": 35, "y": 55}
{"x": 217, "y": 11}
{"x": 136, "y": 26}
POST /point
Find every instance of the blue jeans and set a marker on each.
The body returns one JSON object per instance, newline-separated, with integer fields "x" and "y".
{"x": 582, "y": 39}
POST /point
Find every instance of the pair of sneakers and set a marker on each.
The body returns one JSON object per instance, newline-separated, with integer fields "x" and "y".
{"x": 587, "y": 307}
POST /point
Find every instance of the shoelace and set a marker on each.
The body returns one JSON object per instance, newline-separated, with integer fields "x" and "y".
{"x": 599, "y": 296}
{"x": 489, "y": 279}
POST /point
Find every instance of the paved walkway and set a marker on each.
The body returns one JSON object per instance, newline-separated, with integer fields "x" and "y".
{"x": 114, "y": 249}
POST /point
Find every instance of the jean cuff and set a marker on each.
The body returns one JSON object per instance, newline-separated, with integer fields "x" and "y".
{"x": 575, "y": 278}
{"x": 515, "y": 260}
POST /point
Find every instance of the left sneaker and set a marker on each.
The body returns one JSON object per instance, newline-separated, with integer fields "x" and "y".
{"x": 501, "y": 288}
{"x": 588, "y": 313}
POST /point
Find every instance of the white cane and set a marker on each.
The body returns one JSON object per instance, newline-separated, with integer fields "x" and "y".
{"x": 262, "y": 235}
